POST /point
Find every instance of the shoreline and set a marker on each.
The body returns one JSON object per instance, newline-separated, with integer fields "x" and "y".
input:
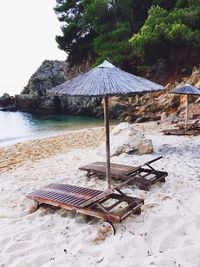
{"x": 22, "y": 127}
{"x": 15, "y": 155}
{"x": 42, "y": 136}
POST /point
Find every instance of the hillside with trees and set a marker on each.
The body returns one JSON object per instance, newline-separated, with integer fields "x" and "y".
{"x": 156, "y": 39}
{"x": 134, "y": 34}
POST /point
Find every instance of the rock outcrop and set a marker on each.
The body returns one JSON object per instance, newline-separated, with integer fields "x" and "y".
{"x": 34, "y": 97}
{"x": 35, "y": 104}
{"x": 160, "y": 105}
{"x": 6, "y": 100}
{"x": 148, "y": 107}
{"x": 47, "y": 76}
{"x": 126, "y": 139}
{"x": 88, "y": 106}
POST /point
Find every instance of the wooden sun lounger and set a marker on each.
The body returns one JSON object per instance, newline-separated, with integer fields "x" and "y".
{"x": 193, "y": 129}
{"x": 196, "y": 116}
{"x": 109, "y": 205}
{"x": 144, "y": 176}
{"x": 181, "y": 132}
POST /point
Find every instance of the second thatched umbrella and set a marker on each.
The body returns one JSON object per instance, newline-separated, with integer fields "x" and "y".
{"x": 106, "y": 80}
{"x": 186, "y": 90}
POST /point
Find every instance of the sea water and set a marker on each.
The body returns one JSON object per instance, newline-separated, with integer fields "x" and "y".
{"x": 18, "y": 126}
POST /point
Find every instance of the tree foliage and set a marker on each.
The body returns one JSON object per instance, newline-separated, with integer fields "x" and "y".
{"x": 77, "y": 33}
{"x": 112, "y": 21}
{"x": 119, "y": 30}
{"x": 99, "y": 28}
{"x": 166, "y": 34}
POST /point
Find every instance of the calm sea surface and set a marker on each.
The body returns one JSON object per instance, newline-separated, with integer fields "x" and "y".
{"x": 18, "y": 126}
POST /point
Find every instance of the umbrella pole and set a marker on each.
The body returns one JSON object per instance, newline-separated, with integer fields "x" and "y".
{"x": 187, "y": 112}
{"x": 106, "y": 123}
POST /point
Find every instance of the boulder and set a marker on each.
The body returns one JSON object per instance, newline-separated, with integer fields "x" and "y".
{"x": 87, "y": 106}
{"x": 142, "y": 119}
{"x": 9, "y": 108}
{"x": 38, "y": 104}
{"x": 6, "y": 100}
{"x": 27, "y": 103}
{"x": 126, "y": 139}
{"x": 148, "y": 118}
{"x": 116, "y": 110}
{"x": 130, "y": 118}
{"x": 48, "y": 106}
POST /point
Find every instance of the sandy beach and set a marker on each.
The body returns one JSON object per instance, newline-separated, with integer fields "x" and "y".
{"x": 166, "y": 234}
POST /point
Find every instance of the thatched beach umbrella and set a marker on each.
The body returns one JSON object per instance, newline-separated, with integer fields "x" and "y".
{"x": 186, "y": 90}
{"x": 106, "y": 80}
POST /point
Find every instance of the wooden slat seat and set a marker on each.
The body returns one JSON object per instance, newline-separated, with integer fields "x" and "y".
{"x": 116, "y": 170}
{"x": 192, "y": 129}
{"x": 64, "y": 193}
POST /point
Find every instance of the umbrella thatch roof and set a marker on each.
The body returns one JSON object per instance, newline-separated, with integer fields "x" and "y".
{"x": 105, "y": 80}
{"x": 186, "y": 90}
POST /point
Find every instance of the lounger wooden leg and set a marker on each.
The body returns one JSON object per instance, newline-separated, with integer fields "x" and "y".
{"x": 90, "y": 173}
{"x": 144, "y": 187}
{"x": 36, "y": 204}
{"x": 162, "y": 180}
{"x": 34, "y": 207}
{"x": 138, "y": 211}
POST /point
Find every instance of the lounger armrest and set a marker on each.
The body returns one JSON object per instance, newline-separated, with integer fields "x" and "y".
{"x": 153, "y": 160}
{"x": 119, "y": 186}
{"x": 190, "y": 128}
{"x": 97, "y": 198}
{"x": 106, "y": 192}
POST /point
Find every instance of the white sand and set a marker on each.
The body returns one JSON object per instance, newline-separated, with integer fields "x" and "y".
{"x": 167, "y": 233}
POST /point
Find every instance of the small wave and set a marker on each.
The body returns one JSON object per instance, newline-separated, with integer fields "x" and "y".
{"x": 14, "y": 140}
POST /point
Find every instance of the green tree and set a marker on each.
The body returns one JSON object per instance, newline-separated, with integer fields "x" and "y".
{"x": 112, "y": 21}
{"x": 99, "y": 28}
{"x": 168, "y": 5}
{"x": 181, "y": 3}
{"x": 166, "y": 34}
{"x": 77, "y": 36}
{"x": 194, "y": 3}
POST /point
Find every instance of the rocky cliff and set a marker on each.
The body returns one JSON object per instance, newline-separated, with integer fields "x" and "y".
{"x": 155, "y": 106}
{"x": 34, "y": 97}
{"x": 48, "y": 75}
